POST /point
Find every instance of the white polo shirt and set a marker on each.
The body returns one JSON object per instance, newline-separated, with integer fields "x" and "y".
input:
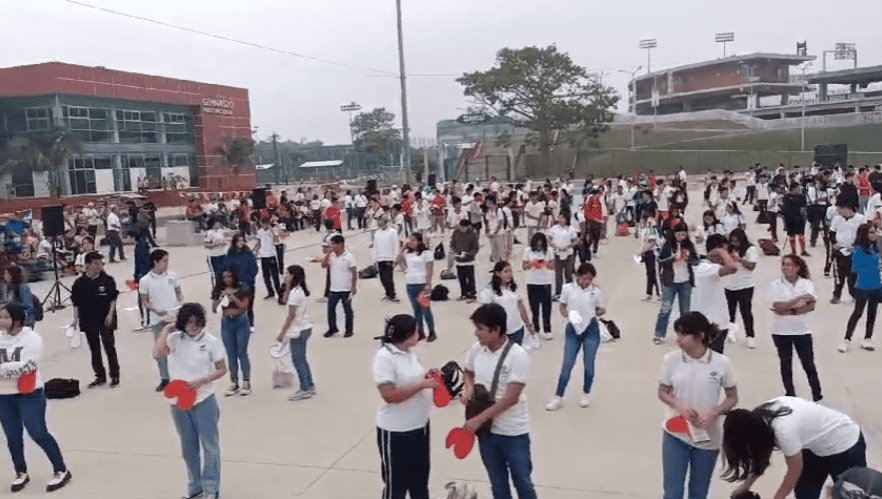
{"x": 509, "y": 301}
{"x": 395, "y": 367}
{"x": 709, "y": 295}
{"x": 561, "y": 237}
{"x": 192, "y": 357}
{"x": 113, "y": 222}
{"x": 811, "y": 426}
{"x": 267, "y": 243}
{"x": 298, "y": 299}
{"x": 582, "y": 300}
{"x": 515, "y": 369}
{"x": 743, "y": 278}
{"x": 543, "y": 275}
{"x": 846, "y": 230}
{"x": 791, "y": 325}
{"x": 341, "y": 271}
{"x": 453, "y": 218}
{"x": 386, "y": 244}
{"x": 160, "y": 289}
{"x": 533, "y": 210}
{"x": 217, "y": 236}
{"x": 698, "y": 383}
{"x": 417, "y": 271}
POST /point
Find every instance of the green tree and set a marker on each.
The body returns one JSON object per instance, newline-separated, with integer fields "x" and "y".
{"x": 237, "y": 152}
{"x": 543, "y": 90}
{"x": 374, "y": 133}
{"x": 43, "y": 152}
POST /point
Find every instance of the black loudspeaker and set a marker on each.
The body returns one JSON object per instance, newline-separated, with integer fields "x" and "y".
{"x": 829, "y": 155}
{"x": 258, "y": 197}
{"x": 371, "y": 187}
{"x": 53, "y": 221}
{"x": 433, "y": 180}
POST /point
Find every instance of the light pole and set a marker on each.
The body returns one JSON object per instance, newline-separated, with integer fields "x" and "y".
{"x": 350, "y": 108}
{"x": 405, "y": 130}
{"x": 632, "y": 96}
{"x": 725, "y": 38}
{"x": 803, "y": 67}
{"x": 647, "y": 45}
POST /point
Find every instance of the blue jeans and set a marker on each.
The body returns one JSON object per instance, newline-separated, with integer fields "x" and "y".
{"x": 503, "y": 454}
{"x": 18, "y": 412}
{"x": 198, "y": 427}
{"x": 517, "y": 336}
{"x": 298, "y": 357}
{"x": 588, "y": 342}
{"x": 678, "y": 457}
{"x": 235, "y": 332}
{"x": 683, "y": 292}
{"x": 335, "y": 297}
{"x": 419, "y": 313}
{"x": 162, "y": 363}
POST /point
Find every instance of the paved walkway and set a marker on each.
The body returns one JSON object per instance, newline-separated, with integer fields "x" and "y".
{"x": 121, "y": 443}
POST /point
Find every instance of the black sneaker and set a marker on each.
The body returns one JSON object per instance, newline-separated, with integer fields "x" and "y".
{"x": 59, "y": 480}
{"x": 269, "y": 297}
{"x": 98, "y": 382}
{"x": 348, "y": 334}
{"x": 162, "y": 385}
{"x": 21, "y": 479}
{"x": 329, "y": 334}
{"x": 114, "y": 382}
{"x": 432, "y": 337}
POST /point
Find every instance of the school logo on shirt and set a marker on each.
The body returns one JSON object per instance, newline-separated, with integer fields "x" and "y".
{"x": 16, "y": 355}
{"x": 203, "y": 347}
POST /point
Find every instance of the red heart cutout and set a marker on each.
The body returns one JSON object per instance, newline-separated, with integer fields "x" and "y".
{"x": 27, "y": 383}
{"x": 424, "y": 300}
{"x": 180, "y": 389}
{"x": 187, "y": 400}
{"x": 462, "y": 441}
{"x": 678, "y": 424}
{"x": 174, "y": 388}
{"x": 132, "y": 284}
{"x": 440, "y": 396}
{"x": 538, "y": 264}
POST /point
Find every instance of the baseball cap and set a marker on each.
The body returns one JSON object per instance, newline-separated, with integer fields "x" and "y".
{"x": 858, "y": 483}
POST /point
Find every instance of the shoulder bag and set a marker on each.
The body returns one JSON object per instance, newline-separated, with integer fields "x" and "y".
{"x": 482, "y": 399}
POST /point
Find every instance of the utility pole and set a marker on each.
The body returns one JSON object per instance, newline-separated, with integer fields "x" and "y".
{"x": 276, "y": 159}
{"x": 648, "y": 45}
{"x": 403, "y": 75}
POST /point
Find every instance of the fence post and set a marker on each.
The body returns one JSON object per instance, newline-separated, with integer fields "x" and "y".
{"x": 486, "y": 168}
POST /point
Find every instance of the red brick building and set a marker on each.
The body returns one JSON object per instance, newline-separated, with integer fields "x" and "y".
{"x": 133, "y": 127}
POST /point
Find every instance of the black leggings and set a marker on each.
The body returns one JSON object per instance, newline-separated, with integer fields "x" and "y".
{"x": 868, "y": 298}
{"x": 651, "y": 273}
{"x": 539, "y": 296}
{"x": 741, "y": 298}
{"x": 844, "y": 276}
{"x": 785, "y": 344}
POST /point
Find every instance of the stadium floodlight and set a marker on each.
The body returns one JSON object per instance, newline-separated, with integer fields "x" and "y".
{"x": 648, "y": 44}
{"x": 350, "y": 108}
{"x": 725, "y": 38}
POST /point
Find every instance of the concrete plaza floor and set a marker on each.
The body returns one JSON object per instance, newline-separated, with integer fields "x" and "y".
{"x": 120, "y": 443}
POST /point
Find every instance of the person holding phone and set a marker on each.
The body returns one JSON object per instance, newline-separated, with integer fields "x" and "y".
{"x": 676, "y": 260}
{"x": 538, "y": 264}
{"x": 231, "y": 297}
{"x": 418, "y": 264}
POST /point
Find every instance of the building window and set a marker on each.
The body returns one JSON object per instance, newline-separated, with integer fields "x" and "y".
{"x": 178, "y": 160}
{"x": 82, "y": 176}
{"x": 137, "y": 127}
{"x": 88, "y": 124}
{"x": 178, "y": 128}
{"x": 38, "y": 118}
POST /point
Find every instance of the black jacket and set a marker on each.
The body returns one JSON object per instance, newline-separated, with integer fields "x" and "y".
{"x": 666, "y": 263}
{"x": 93, "y": 296}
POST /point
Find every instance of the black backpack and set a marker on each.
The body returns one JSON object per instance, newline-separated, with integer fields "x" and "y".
{"x": 440, "y": 293}
{"x": 368, "y": 272}
{"x": 613, "y": 330}
{"x": 60, "y": 388}
{"x": 439, "y": 252}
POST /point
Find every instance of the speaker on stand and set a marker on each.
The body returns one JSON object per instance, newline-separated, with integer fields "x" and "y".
{"x": 52, "y": 218}
{"x": 371, "y": 187}
{"x": 258, "y": 197}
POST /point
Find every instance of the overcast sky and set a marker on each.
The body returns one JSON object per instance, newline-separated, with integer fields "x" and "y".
{"x": 300, "y": 98}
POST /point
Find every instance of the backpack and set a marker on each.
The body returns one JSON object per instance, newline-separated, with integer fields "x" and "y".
{"x": 446, "y": 275}
{"x": 60, "y": 388}
{"x": 769, "y": 247}
{"x": 439, "y": 252}
{"x": 368, "y": 272}
{"x": 440, "y": 293}
{"x": 612, "y": 329}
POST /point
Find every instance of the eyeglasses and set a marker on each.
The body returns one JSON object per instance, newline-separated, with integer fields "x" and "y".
{"x": 849, "y": 490}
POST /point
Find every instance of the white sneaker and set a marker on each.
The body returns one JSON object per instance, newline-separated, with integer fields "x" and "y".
{"x": 232, "y": 390}
{"x": 585, "y": 401}
{"x": 751, "y": 343}
{"x": 555, "y": 404}
{"x": 21, "y": 479}
{"x": 59, "y": 479}
{"x": 547, "y": 336}
{"x": 646, "y": 298}
{"x": 246, "y": 389}
{"x": 843, "y": 347}
{"x": 867, "y": 344}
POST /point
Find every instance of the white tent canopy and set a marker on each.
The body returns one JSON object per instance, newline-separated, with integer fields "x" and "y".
{"x": 264, "y": 167}
{"x": 321, "y": 164}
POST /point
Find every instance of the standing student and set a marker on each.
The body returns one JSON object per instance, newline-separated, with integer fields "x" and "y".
{"x": 343, "y": 284}
{"x": 503, "y": 291}
{"x": 793, "y": 210}
{"x": 142, "y": 268}
{"x": 843, "y": 232}
{"x": 231, "y": 297}
{"x": 464, "y": 248}
{"x": 533, "y": 210}
{"x": 793, "y": 303}
{"x": 14, "y": 289}
{"x": 649, "y": 246}
{"x": 216, "y": 244}
{"x": 386, "y": 246}
{"x": 113, "y": 230}
{"x": 505, "y": 448}
{"x": 817, "y": 442}
{"x": 403, "y": 416}
{"x": 94, "y": 297}
{"x": 242, "y": 260}
{"x": 21, "y": 350}
{"x": 538, "y": 265}
{"x": 709, "y": 294}
{"x": 197, "y": 358}
{"x": 418, "y": 264}
{"x": 675, "y": 259}
{"x": 867, "y": 287}
{"x": 740, "y": 285}
{"x": 269, "y": 264}
{"x": 161, "y": 296}
{"x": 297, "y": 329}
{"x": 690, "y": 385}
{"x": 581, "y": 303}
{"x": 563, "y": 238}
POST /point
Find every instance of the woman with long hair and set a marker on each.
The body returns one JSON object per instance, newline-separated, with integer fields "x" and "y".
{"x": 649, "y": 245}
{"x": 867, "y": 292}
{"x": 732, "y": 218}
{"x": 740, "y": 285}
{"x": 232, "y": 297}
{"x": 503, "y": 291}
{"x": 676, "y": 259}
{"x": 690, "y": 385}
{"x": 403, "y": 417}
{"x": 418, "y": 264}
{"x": 563, "y": 238}
{"x": 14, "y": 289}
{"x": 243, "y": 261}
{"x": 538, "y": 265}
{"x": 817, "y": 442}
{"x": 86, "y": 246}
{"x": 25, "y": 409}
{"x": 709, "y": 225}
{"x": 581, "y": 303}
{"x": 297, "y": 329}
{"x": 793, "y": 303}
{"x": 197, "y": 358}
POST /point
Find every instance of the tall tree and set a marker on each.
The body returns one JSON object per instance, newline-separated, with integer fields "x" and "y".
{"x": 237, "y": 152}
{"x": 44, "y": 152}
{"x": 543, "y": 90}
{"x": 374, "y": 133}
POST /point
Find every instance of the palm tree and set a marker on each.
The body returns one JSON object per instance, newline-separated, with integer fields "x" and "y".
{"x": 45, "y": 152}
{"x": 237, "y": 152}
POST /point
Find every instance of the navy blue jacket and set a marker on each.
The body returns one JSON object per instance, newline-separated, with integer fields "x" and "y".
{"x": 244, "y": 263}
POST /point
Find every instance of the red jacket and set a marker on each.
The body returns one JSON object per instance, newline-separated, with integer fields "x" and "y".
{"x": 593, "y": 209}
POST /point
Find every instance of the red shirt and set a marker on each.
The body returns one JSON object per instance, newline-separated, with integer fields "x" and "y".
{"x": 593, "y": 210}
{"x": 863, "y": 186}
{"x": 333, "y": 213}
{"x": 438, "y": 205}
